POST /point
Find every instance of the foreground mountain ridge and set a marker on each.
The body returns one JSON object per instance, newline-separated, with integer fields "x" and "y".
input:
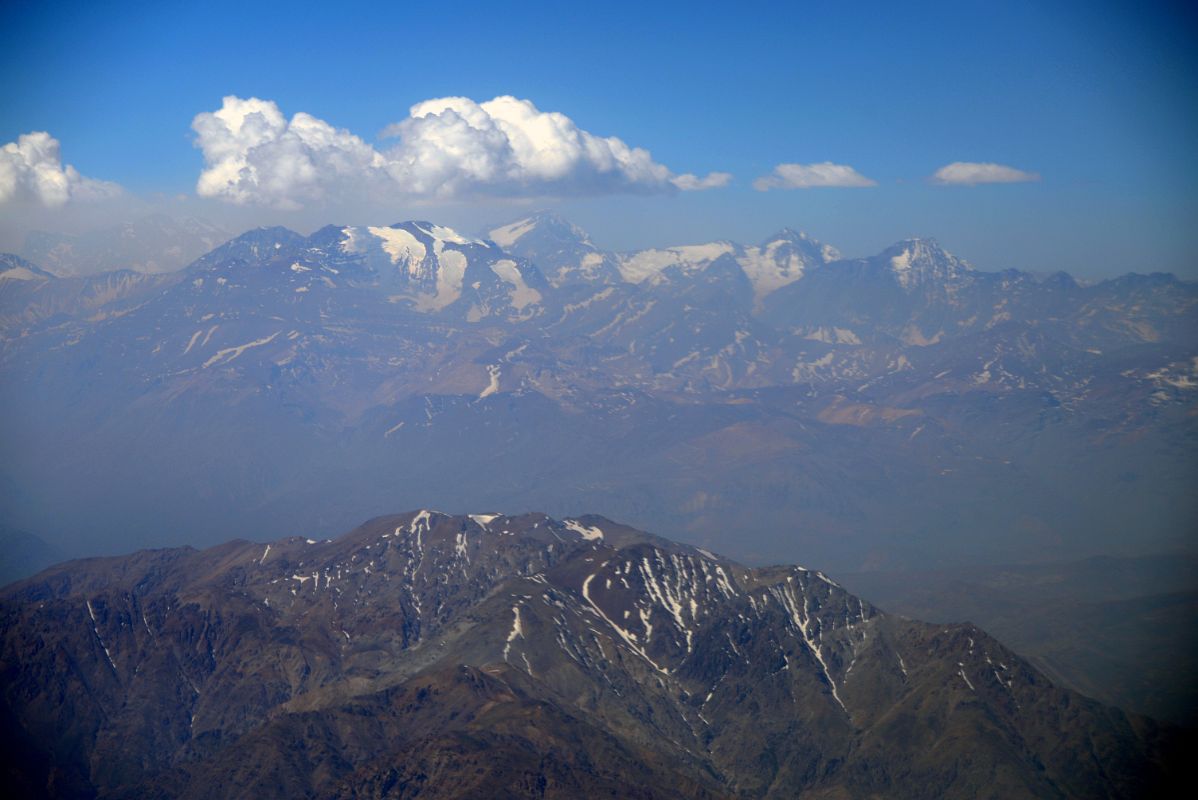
{"x": 429, "y": 655}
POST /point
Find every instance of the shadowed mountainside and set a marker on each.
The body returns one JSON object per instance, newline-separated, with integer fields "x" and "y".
{"x": 434, "y": 656}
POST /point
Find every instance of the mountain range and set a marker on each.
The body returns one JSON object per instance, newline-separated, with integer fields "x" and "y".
{"x": 435, "y": 656}
{"x": 776, "y": 402}
{"x": 151, "y": 244}
{"x": 904, "y": 409}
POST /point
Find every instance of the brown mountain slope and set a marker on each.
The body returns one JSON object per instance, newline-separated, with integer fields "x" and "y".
{"x": 433, "y": 656}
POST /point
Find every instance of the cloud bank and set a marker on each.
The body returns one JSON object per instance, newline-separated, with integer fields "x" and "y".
{"x": 31, "y": 171}
{"x": 971, "y": 173}
{"x": 811, "y": 176}
{"x": 446, "y": 148}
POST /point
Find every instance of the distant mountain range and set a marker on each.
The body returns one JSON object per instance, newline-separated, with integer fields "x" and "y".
{"x": 153, "y": 243}
{"x": 436, "y": 656}
{"x": 905, "y": 409}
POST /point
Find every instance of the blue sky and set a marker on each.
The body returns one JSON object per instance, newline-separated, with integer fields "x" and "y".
{"x": 1098, "y": 99}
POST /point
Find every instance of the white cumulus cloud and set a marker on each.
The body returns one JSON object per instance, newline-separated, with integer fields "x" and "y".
{"x": 445, "y": 148}
{"x": 31, "y": 170}
{"x": 810, "y": 176}
{"x": 693, "y": 183}
{"x": 971, "y": 173}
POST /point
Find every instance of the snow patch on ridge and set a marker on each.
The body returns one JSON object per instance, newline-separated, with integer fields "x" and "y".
{"x": 229, "y": 353}
{"x": 450, "y": 273}
{"x": 401, "y": 246}
{"x": 507, "y": 235}
{"x": 590, "y": 534}
{"x": 517, "y": 631}
{"x": 623, "y": 634}
{"x": 492, "y": 387}
{"x": 20, "y": 274}
{"x": 523, "y": 294}
{"x": 440, "y": 233}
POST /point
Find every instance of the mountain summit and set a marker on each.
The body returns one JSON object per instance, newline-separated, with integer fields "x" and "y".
{"x": 560, "y": 248}
{"x": 542, "y": 225}
{"x": 915, "y": 262}
{"x": 440, "y": 656}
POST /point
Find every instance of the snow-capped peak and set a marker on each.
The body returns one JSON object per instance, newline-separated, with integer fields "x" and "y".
{"x": 788, "y": 234}
{"x": 646, "y": 264}
{"x": 543, "y": 222}
{"x": 425, "y": 265}
{"x": 914, "y": 261}
{"x": 783, "y": 259}
{"x": 788, "y": 239}
{"x": 406, "y": 243}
